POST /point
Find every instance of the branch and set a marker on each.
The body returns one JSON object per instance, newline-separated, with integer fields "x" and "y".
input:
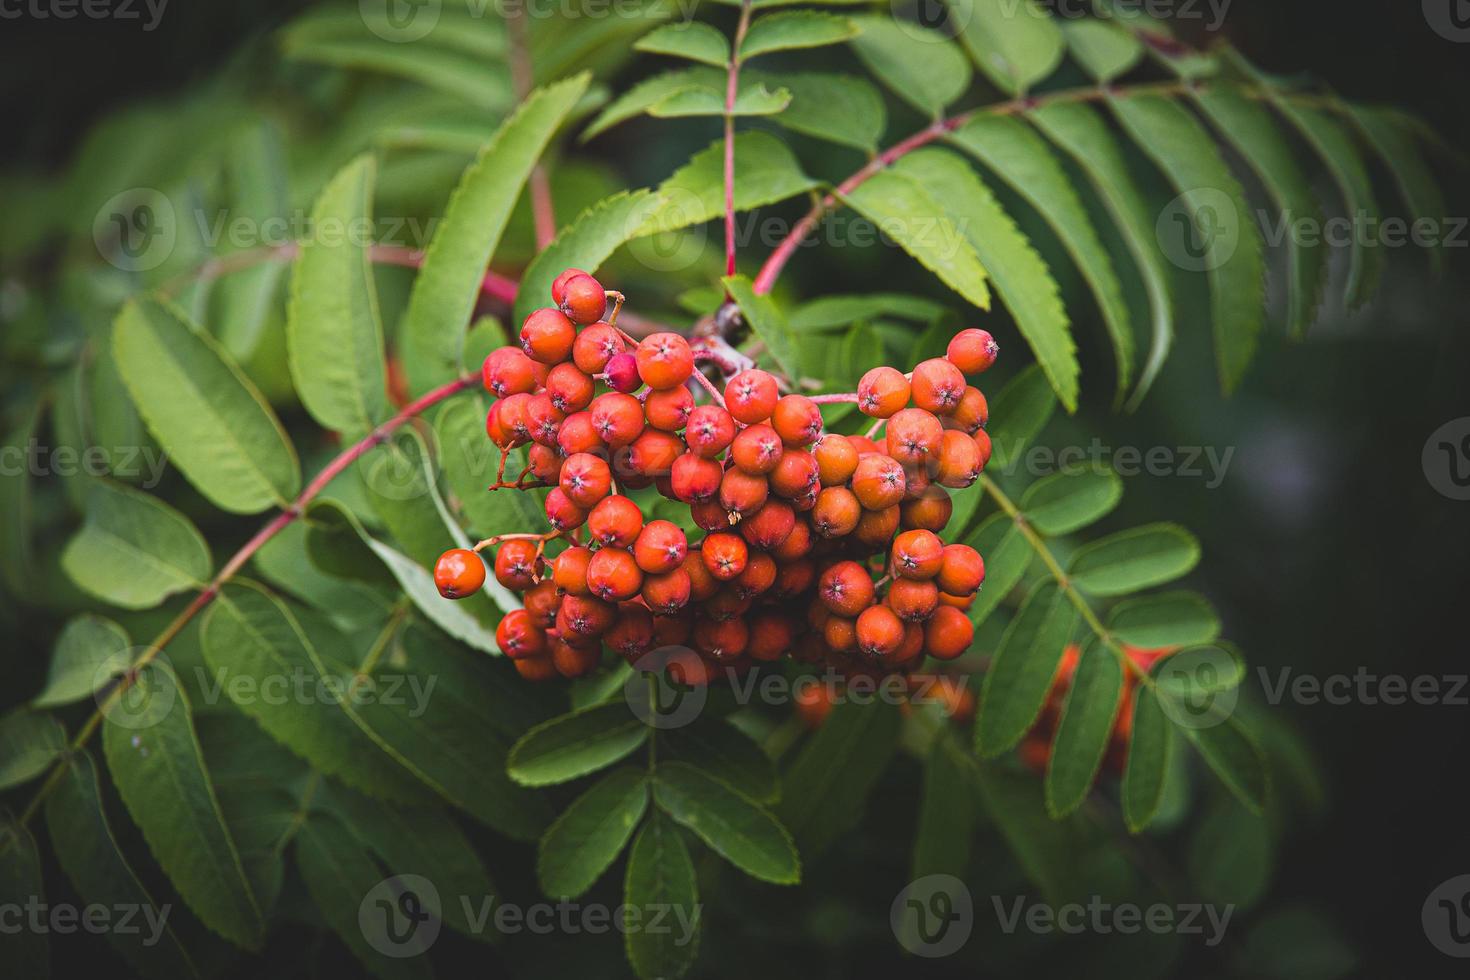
{"x": 732, "y": 89}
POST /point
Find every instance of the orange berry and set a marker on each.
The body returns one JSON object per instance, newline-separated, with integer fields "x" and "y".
{"x": 595, "y": 346}
{"x": 669, "y": 410}
{"x": 660, "y": 547}
{"x": 876, "y": 528}
{"x": 757, "y": 449}
{"x": 613, "y": 575}
{"x": 724, "y": 554}
{"x": 617, "y": 417}
{"x": 917, "y": 554}
{"x": 948, "y": 633}
{"x": 771, "y": 635}
{"x": 958, "y": 460}
{"x": 668, "y": 592}
{"x": 653, "y": 453}
{"x": 962, "y": 571}
{"x": 836, "y": 513}
{"x": 742, "y": 493}
{"x": 536, "y": 669}
{"x": 796, "y": 473}
{"x": 665, "y": 361}
{"x": 751, "y": 396}
{"x": 878, "y": 482}
{"x": 846, "y": 588}
{"x": 913, "y": 600}
{"x": 798, "y": 419}
{"x": 572, "y": 662}
{"x": 559, "y": 285}
{"x": 710, "y": 431}
{"x": 585, "y": 479}
{"x": 880, "y": 632}
{"x": 971, "y": 414}
{"x": 882, "y": 391}
{"x": 615, "y": 522}
{"x": 930, "y": 510}
{"x": 547, "y": 336}
{"x": 515, "y": 564}
{"x": 769, "y": 525}
{"x": 914, "y": 436}
{"x": 938, "y": 386}
{"x": 632, "y": 634}
{"x": 561, "y": 512}
{"x": 458, "y": 573}
{"x": 973, "y": 351}
{"x": 569, "y": 570}
{"x": 836, "y": 458}
{"x": 583, "y": 299}
{"x": 518, "y": 636}
{"x": 508, "y": 371}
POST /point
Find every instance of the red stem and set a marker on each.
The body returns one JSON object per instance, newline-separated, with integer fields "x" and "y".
{"x": 846, "y": 396}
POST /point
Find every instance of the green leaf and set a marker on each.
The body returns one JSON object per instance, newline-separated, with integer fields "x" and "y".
{"x": 90, "y": 652}
{"x": 251, "y": 642}
{"x": 1015, "y": 42}
{"x": 1007, "y": 555}
{"x": 1235, "y": 758}
{"x": 29, "y": 742}
{"x": 832, "y": 312}
{"x": 207, "y": 415}
{"x": 285, "y": 562}
{"x": 946, "y": 811}
{"x": 1020, "y": 276}
{"x": 448, "y": 284}
{"x": 1066, "y": 502}
{"x": 767, "y": 322}
{"x": 1101, "y": 47}
{"x": 244, "y": 301}
{"x": 93, "y": 861}
{"x": 731, "y": 823}
{"x": 159, "y": 771}
{"x": 574, "y": 745}
{"x": 1146, "y": 773}
{"x": 134, "y": 550}
{"x": 792, "y": 29}
{"x": 661, "y": 875}
{"x": 333, "y": 330}
{"x": 1051, "y": 852}
{"x": 752, "y": 99}
{"x": 919, "y": 65}
{"x": 725, "y": 752}
{"x": 1017, "y": 416}
{"x": 844, "y": 109}
{"x": 687, "y": 39}
{"x": 1214, "y": 203}
{"x": 597, "y": 233}
{"x": 25, "y": 952}
{"x": 1232, "y": 856}
{"x": 1135, "y": 559}
{"x": 825, "y": 787}
{"x": 340, "y": 875}
{"x": 1023, "y": 160}
{"x": 905, "y": 211}
{"x": 1166, "y": 619}
{"x": 1080, "y": 132}
{"x": 1084, "y": 729}
{"x": 1391, "y": 135}
{"x": 469, "y": 461}
{"x": 766, "y": 171}
{"x": 588, "y": 837}
{"x": 650, "y": 92}
{"x": 1025, "y": 664}
{"x": 1249, "y": 127}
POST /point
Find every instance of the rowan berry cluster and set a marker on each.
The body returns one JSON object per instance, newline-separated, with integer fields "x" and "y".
{"x": 806, "y": 543}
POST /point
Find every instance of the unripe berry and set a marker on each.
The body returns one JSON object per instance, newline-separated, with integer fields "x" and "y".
{"x": 917, "y": 555}
{"x": 882, "y": 391}
{"x": 757, "y": 449}
{"x": 653, "y": 453}
{"x": 879, "y": 632}
{"x": 710, "y": 431}
{"x": 517, "y": 636}
{"x": 948, "y": 633}
{"x": 837, "y": 458}
{"x": 613, "y": 575}
{"x": 912, "y": 600}
{"x": 583, "y": 299}
{"x": 724, "y": 554}
{"x": 695, "y": 479}
{"x": 615, "y": 522}
{"x": 515, "y": 565}
{"x": 595, "y": 347}
{"x": 458, "y": 573}
{"x": 559, "y": 285}
{"x": 959, "y": 460}
{"x": 768, "y": 526}
{"x": 569, "y": 570}
{"x": 878, "y": 482}
{"x": 836, "y": 513}
{"x": 962, "y": 571}
{"x": 665, "y": 361}
{"x": 561, "y": 513}
{"x": 914, "y": 436}
{"x": 798, "y": 419}
{"x": 846, "y": 588}
{"x": 632, "y": 634}
{"x": 622, "y": 373}
{"x": 751, "y": 396}
{"x": 742, "y": 493}
{"x": 795, "y": 474}
{"x": 508, "y": 371}
{"x": 938, "y": 386}
{"x": 585, "y": 479}
{"x": 667, "y": 593}
{"x": 541, "y": 603}
{"x": 547, "y": 336}
{"x": 973, "y": 351}
{"x": 669, "y": 410}
{"x": 618, "y": 418}
{"x": 660, "y": 547}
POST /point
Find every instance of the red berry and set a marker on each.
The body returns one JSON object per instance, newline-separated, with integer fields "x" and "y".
{"x": 724, "y": 554}
{"x": 878, "y": 482}
{"x": 569, "y": 570}
{"x": 972, "y": 413}
{"x": 973, "y": 351}
{"x": 880, "y": 633}
{"x": 948, "y": 633}
{"x": 660, "y": 547}
{"x": 914, "y": 601}
{"x": 667, "y": 593}
{"x": 583, "y": 299}
{"x": 585, "y": 479}
{"x": 962, "y": 571}
{"x": 796, "y": 473}
{"x": 846, "y": 588}
{"x": 695, "y": 479}
{"x": 669, "y": 410}
{"x": 561, "y": 512}
{"x": 508, "y": 371}
{"x": 798, "y": 420}
{"x": 917, "y": 554}
{"x": 836, "y": 457}
{"x": 757, "y": 449}
{"x": 770, "y": 525}
{"x": 959, "y": 462}
{"x": 458, "y": 573}
{"x": 577, "y": 435}
{"x": 570, "y": 390}
{"x": 836, "y": 513}
{"x": 618, "y": 418}
{"x": 882, "y": 391}
{"x": 559, "y": 285}
{"x": 938, "y": 386}
{"x": 751, "y": 396}
{"x": 595, "y": 347}
{"x": 622, "y": 373}
{"x": 613, "y": 575}
{"x": 710, "y": 430}
{"x": 653, "y": 453}
{"x": 517, "y": 636}
{"x": 742, "y": 493}
{"x": 615, "y": 522}
{"x": 515, "y": 565}
{"x": 547, "y": 336}
{"x": 913, "y": 436}
{"x": 665, "y": 361}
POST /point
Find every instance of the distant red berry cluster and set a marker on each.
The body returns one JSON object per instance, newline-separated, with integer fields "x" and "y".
{"x": 816, "y": 545}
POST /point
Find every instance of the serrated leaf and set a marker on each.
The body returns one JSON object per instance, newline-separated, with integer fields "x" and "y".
{"x": 692, "y": 40}
{"x": 1101, "y": 47}
{"x": 213, "y": 423}
{"x": 1390, "y": 134}
{"x": 90, "y": 652}
{"x": 27, "y": 952}
{"x": 1018, "y": 414}
{"x": 1214, "y": 202}
{"x": 159, "y": 771}
{"x": 1022, "y": 159}
{"x": 333, "y": 330}
{"x": 904, "y": 210}
{"x": 94, "y": 863}
{"x": 1066, "y": 502}
{"x": 588, "y": 837}
{"x": 597, "y": 233}
{"x": 447, "y": 286}
{"x": 1235, "y": 758}
{"x": 1249, "y": 127}
{"x": 731, "y": 823}
{"x": 751, "y": 99}
{"x": 1083, "y": 731}
{"x": 660, "y": 874}
{"x": 767, "y": 322}
{"x": 825, "y": 788}
{"x": 1020, "y": 275}
{"x": 792, "y": 29}
{"x": 29, "y": 742}
{"x": 1150, "y": 747}
{"x": 1007, "y": 555}
{"x": 1081, "y": 133}
{"x": 766, "y": 171}
{"x": 1016, "y": 43}
{"x": 574, "y": 745}
{"x": 1135, "y": 559}
{"x": 725, "y": 752}
{"x": 1167, "y": 619}
{"x": 134, "y": 550}
{"x": 844, "y": 109}
{"x": 919, "y": 65}
{"x": 340, "y": 875}
{"x": 651, "y": 91}
{"x": 1021, "y": 674}
{"x": 946, "y": 811}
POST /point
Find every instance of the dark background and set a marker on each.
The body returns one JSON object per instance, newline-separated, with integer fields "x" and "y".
{"x": 1326, "y": 548}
